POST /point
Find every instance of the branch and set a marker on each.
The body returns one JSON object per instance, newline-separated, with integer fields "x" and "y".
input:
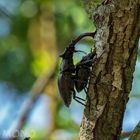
{"x": 126, "y": 134}
{"x": 35, "y": 93}
{"x": 5, "y": 12}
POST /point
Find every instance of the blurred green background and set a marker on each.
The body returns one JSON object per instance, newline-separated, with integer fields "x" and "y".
{"x": 32, "y": 35}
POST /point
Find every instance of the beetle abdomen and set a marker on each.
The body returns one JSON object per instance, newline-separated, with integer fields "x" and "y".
{"x": 65, "y": 85}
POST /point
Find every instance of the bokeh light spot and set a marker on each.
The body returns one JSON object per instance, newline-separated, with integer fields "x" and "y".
{"x": 5, "y": 27}
{"x": 28, "y": 9}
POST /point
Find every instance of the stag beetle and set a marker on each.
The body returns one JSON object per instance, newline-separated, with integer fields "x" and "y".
{"x": 67, "y": 77}
{"x": 83, "y": 71}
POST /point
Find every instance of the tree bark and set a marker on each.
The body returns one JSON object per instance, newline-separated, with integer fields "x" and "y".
{"x": 118, "y": 29}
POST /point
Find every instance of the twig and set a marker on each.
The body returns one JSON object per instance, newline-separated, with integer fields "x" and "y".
{"x": 5, "y": 12}
{"x": 126, "y": 134}
{"x": 135, "y": 135}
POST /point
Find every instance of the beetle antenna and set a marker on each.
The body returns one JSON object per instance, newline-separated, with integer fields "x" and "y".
{"x": 80, "y": 51}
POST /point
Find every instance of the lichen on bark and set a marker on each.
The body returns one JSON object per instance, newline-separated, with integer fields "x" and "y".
{"x": 91, "y": 5}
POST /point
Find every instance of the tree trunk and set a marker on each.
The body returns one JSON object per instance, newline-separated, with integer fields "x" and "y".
{"x": 118, "y": 29}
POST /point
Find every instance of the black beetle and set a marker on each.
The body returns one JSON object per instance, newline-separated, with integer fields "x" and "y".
{"x": 67, "y": 75}
{"x": 83, "y": 71}
{"x": 65, "y": 81}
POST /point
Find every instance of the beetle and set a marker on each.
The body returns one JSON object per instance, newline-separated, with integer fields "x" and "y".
{"x": 83, "y": 71}
{"x": 67, "y": 75}
{"x": 65, "y": 82}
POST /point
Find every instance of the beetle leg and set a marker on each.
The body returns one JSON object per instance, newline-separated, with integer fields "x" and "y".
{"x": 85, "y": 89}
{"x": 80, "y": 51}
{"x": 79, "y": 98}
{"x": 79, "y": 101}
{"x": 86, "y": 62}
{"x": 95, "y": 60}
{"x": 76, "y": 98}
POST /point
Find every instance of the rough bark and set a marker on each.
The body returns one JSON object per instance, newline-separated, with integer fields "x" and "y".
{"x": 118, "y": 30}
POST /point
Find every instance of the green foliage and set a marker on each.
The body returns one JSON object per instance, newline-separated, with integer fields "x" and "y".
{"x": 20, "y": 27}
{"x": 71, "y": 20}
{"x": 16, "y": 57}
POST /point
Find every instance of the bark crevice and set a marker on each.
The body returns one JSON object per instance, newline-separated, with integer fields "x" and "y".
{"x": 118, "y": 26}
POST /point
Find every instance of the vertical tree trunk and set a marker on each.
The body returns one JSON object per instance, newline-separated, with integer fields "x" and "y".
{"x": 118, "y": 29}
